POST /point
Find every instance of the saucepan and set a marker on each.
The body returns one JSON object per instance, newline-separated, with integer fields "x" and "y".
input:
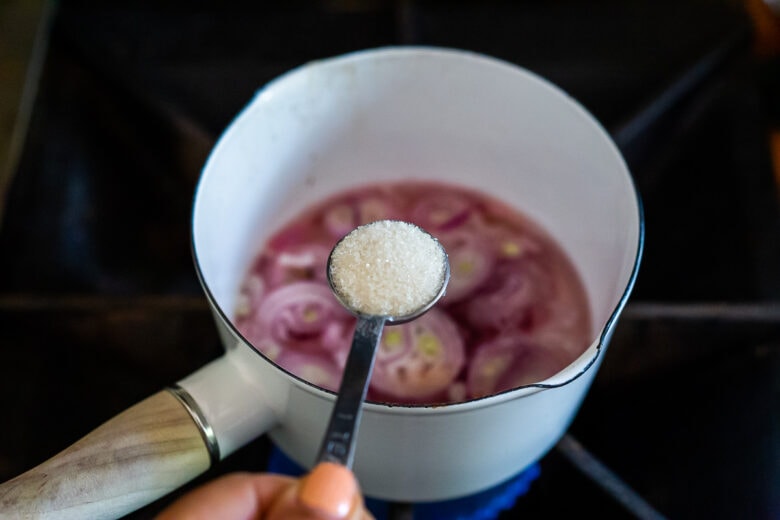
{"x": 389, "y": 114}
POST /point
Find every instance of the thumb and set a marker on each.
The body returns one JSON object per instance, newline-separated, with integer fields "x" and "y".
{"x": 330, "y": 491}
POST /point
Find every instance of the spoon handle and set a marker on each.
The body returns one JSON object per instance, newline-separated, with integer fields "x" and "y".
{"x": 338, "y": 445}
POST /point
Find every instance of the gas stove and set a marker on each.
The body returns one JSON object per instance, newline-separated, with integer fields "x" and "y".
{"x": 100, "y": 305}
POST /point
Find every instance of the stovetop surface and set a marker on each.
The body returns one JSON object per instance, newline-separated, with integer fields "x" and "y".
{"x": 100, "y": 305}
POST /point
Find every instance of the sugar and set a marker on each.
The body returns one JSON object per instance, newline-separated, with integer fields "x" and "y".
{"x": 388, "y": 268}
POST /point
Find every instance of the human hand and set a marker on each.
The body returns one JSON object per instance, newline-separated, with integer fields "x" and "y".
{"x": 329, "y": 492}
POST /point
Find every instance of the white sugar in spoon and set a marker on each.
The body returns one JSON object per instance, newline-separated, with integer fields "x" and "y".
{"x": 383, "y": 272}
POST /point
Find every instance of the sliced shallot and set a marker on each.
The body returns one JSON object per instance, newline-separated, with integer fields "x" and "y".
{"x": 317, "y": 369}
{"x": 508, "y": 362}
{"x": 443, "y": 211}
{"x": 517, "y": 298}
{"x": 471, "y": 263}
{"x": 346, "y": 215}
{"x": 296, "y": 262}
{"x": 296, "y": 315}
{"x": 422, "y": 360}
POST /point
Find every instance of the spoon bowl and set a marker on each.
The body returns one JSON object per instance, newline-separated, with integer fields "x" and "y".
{"x": 432, "y": 268}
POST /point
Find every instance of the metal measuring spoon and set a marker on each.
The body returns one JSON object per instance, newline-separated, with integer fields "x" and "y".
{"x": 390, "y": 278}
{"x": 411, "y": 269}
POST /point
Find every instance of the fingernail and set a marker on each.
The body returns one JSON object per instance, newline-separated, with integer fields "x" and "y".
{"x": 330, "y": 489}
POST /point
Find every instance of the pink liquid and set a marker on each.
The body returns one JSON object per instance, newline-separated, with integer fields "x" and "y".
{"x": 515, "y": 312}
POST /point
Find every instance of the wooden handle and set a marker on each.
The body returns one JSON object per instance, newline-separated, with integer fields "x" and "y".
{"x": 136, "y": 457}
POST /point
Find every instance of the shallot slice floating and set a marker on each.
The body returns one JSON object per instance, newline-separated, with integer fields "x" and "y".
{"x": 516, "y": 298}
{"x": 348, "y": 214}
{"x": 295, "y": 262}
{"x": 471, "y": 263}
{"x": 507, "y": 362}
{"x": 439, "y": 212}
{"x": 317, "y": 369}
{"x": 296, "y": 315}
{"x": 420, "y": 359}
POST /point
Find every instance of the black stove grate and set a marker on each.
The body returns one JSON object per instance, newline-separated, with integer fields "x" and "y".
{"x": 100, "y": 306}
